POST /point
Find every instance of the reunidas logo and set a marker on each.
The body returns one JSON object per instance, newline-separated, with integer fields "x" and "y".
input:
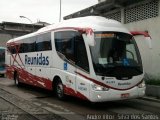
{"x": 37, "y": 60}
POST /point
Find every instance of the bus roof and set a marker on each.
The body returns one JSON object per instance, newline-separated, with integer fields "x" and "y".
{"x": 96, "y": 23}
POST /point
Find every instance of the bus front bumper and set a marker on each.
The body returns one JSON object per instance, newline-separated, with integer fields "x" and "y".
{"x": 111, "y": 94}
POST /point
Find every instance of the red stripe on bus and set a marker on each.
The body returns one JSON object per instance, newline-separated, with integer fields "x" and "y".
{"x": 28, "y": 78}
{"x": 104, "y": 85}
{"x": 70, "y": 91}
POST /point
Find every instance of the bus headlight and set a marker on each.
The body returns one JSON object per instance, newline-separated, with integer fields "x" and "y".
{"x": 142, "y": 84}
{"x": 99, "y": 88}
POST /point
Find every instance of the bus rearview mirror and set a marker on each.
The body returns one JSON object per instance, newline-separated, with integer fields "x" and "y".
{"x": 88, "y": 35}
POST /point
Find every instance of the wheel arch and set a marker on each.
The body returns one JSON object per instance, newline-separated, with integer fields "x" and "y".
{"x": 57, "y": 82}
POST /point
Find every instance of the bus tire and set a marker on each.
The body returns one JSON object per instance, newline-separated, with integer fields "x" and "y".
{"x": 59, "y": 90}
{"x": 16, "y": 79}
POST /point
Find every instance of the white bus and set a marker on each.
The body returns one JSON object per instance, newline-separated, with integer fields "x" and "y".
{"x": 91, "y": 57}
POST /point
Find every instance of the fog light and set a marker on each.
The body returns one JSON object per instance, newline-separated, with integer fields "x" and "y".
{"x": 142, "y": 84}
{"x": 143, "y": 92}
{"x": 99, "y": 96}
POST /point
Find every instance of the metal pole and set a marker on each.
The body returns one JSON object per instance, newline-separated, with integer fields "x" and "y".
{"x": 29, "y": 20}
{"x": 60, "y": 11}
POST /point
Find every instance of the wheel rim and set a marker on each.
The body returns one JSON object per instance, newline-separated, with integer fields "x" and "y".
{"x": 16, "y": 81}
{"x": 60, "y": 90}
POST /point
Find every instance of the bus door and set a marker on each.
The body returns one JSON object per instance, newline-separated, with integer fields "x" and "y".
{"x": 65, "y": 47}
{"x": 144, "y": 43}
{"x": 82, "y": 66}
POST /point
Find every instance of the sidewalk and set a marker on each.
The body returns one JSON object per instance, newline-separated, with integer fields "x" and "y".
{"x": 150, "y": 98}
{"x": 152, "y": 92}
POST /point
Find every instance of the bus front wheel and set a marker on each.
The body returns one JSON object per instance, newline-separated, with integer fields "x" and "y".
{"x": 60, "y": 90}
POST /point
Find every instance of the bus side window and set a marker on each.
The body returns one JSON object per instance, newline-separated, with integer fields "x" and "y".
{"x": 28, "y": 45}
{"x": 72, "y": 46}
{"x": 12, "y": 49}
{"x": 21, "y": 48}
{"x": 64, "y": 43}
{"x": 43, "y": 42}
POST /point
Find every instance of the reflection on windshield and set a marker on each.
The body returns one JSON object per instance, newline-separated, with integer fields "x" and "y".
{"x": 115, "y": 54}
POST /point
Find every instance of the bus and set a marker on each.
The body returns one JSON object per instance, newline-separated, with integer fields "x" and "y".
{"x": 92, "y": 58}
{"x": 2, "y": 61}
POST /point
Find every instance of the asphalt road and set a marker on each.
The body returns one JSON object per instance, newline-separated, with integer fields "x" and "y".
{"x": 27, "y": 101}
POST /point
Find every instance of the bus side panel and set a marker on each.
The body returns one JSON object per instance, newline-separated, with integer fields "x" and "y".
{"x": 83, "y": 86}
{"x": 44, "y": 74}
{"x": 38, "y": 69}
{"x": 65, "y": 71}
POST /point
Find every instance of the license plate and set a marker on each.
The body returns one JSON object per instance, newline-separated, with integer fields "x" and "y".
{"x": 125, "y": 95}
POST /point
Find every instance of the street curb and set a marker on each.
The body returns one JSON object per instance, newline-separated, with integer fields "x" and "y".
{"x": 153, "y": 90}
{"x": 150, "y": 99}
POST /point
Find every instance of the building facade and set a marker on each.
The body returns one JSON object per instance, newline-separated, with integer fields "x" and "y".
{"x": 136, "y": 15}
{"x": 9, "y": 30}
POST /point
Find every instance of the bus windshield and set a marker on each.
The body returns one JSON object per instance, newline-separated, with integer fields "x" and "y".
{"x": 116, "y": 54}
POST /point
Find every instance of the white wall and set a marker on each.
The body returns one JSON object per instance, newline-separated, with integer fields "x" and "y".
{"x": 150, "y": 57}
{"x": 4, "y": 38}
{"x": 101, "y": 1}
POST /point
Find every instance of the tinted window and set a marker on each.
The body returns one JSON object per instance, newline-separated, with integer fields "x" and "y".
{"x": 11, "y": 49}
{"x": 43, "y": 42}
{"x": 37, "y": 43}
{"x": 21, "y": 50}
{"x": 70, "y": 46}
{"x": 64, "y": 42}
{"x": 28, "y": 45}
